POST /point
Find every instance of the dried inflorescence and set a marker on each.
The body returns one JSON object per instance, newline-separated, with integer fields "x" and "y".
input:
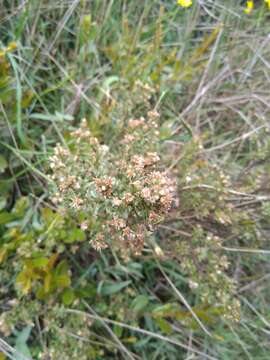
{"x": 116, "y": 201}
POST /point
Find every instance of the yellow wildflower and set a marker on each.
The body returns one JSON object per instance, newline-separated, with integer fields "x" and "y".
{"x": 249, "y": 7}
{"x": 11, "y": 46}
{"x": 184, "y": 3}
{"x": 267, "y": 3}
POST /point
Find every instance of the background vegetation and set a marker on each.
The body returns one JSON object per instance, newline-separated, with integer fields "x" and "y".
{"x": 198, "y": 287}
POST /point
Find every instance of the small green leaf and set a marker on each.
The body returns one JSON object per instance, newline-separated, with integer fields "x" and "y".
{"x": 166, "y": 310}
{"x": 75, "y": 235}
{"x": 3, "y": 202}
{"x": 87, "y": 291}
{"x": 40, "y": 262}
{"x": 21, "y": 206}
{"x": 68, "y": 297}
{"x": 62, "y": 268}
{"x": 3, "y": 254}
{"x": 48, "y": 283}
{"x": 139, "y": 303}
{"x": 61, "y": 275}
{"x": 6, "y": 217}
{"x": 56, "y": 117}
{"x": 164, "y": 326}
{"x": 113, "y": 288}
{"x": 40, "y": 293}
{"x": 3, "y": 164}
{"x": 62, "y": 281}
{"x": 27, "y": 98}
{"x": 118, "y": 330}
{"x": 24, "y": 281}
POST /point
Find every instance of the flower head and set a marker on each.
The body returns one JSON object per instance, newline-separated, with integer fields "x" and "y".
{"x": 184, "y": 3}
{"x": 249, "y": 6}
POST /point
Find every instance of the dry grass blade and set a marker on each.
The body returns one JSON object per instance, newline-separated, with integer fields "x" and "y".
{"x": 144, "y": 332}
{"x": 123, "y": 349}
{"x": 184, "y": 301}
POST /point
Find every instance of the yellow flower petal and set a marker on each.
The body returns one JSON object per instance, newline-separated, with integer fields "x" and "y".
{"x": 249, "y": 7}
{"x": 184, "y": 3}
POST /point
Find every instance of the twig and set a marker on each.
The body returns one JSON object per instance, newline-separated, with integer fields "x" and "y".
{"x": 251, "y": 251}
{"x": 239, "y": 138}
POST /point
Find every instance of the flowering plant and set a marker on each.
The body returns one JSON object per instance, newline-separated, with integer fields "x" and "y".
{"x": 116, "y": 201}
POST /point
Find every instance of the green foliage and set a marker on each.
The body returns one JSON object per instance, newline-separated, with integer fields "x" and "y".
{"x": 50, "y": 278}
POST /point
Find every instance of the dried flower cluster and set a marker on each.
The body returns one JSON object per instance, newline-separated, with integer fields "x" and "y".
{"x": 116, "y": 201}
